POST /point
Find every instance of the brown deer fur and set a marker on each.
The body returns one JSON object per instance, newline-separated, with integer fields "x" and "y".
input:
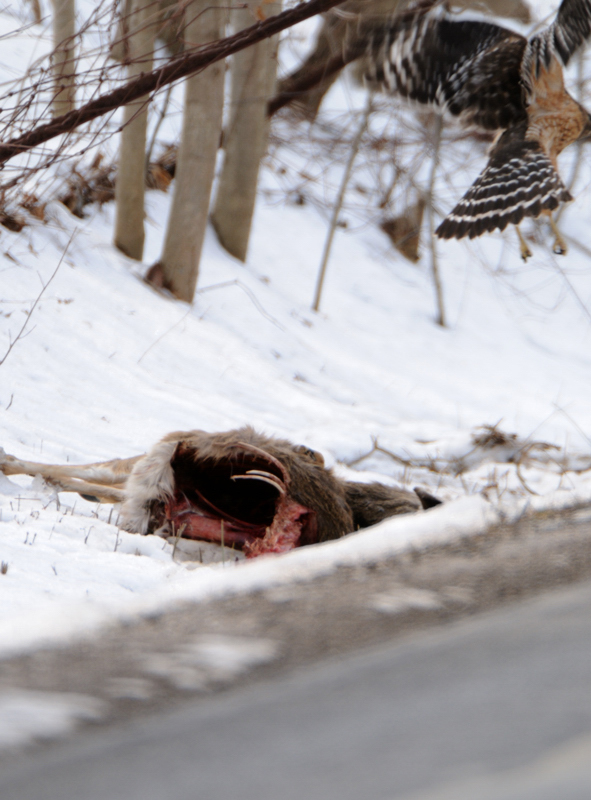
{"x": 256, "y": 493}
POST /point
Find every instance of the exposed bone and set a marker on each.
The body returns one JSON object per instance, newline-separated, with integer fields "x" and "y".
{"x": 106, "y": 473}
{"x": 104, "y": 480}
{"x": 207, "y": 509}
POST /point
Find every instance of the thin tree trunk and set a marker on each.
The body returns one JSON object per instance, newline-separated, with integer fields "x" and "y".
{"x": 245, "y": 140}
{"x": 120, "y": 46}
{"x": 36, "y": 8}
{"x": 195, "y": 168}
{"x": 437, "y": 130}
{"x": 64, "y": 59}
{"x": 129, "y": 188}
{"x": 339, "y": 203}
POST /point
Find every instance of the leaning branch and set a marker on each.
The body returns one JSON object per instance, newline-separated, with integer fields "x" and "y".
{"x": 176, "y": 69}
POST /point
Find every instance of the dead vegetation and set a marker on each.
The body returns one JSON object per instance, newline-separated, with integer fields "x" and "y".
{"x": 96, "y": 182}
{"x": 11, "y": 221}
{"x": 85, "y": 185}
{"x": 490, "y": 447}
{"x": 404, "y": 230}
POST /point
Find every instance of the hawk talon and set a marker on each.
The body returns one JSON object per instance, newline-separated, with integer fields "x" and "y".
{"x": 524, "y": 250}
{"x": 559, "y": 247}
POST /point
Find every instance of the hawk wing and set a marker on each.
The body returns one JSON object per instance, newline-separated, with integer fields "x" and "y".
{"x": 570, "y": 29}
{"x": 469, "y": 68}
{"x": 518, "y": 181}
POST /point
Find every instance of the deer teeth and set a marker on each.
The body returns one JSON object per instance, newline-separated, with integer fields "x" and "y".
{"x": 260, "y": 475}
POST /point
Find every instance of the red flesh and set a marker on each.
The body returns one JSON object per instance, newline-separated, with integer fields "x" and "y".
{"x": 193, "y": 515}
{"x": 293, "y": 524}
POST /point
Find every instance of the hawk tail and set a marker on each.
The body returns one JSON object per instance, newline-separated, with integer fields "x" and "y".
{"x": 519, "y": 181}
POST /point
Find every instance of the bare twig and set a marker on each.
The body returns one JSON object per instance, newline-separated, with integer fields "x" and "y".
{"x": 572, "y": 289}
{"x": 377, "y": 448}
{"x": 166, "y": 332}
{"x": 177, "y": 536}
{"x": 179, "y": 67}
{"x": 437, "y": 128}
{"x": 573, "y": 422}
{"x": 251, "y": 295}
{"x": 308, "y": 81}
{"x": 339, "y": 202}
{"x": 37, "y": 299}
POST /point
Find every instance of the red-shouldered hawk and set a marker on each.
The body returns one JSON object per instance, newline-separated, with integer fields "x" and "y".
{"x": 498, "y": 80}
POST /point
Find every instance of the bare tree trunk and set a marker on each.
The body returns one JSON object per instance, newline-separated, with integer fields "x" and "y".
{"x": 119, "y": 48}
{"x": 129, "y": 188}
{"x": 195, "y": 168}
{"x": 169, "y": 18}
{"x": 253, "y": 81}
{"x": 64, "y": 60}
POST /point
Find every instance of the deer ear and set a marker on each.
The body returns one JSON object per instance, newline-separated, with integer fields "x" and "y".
{"x": 427, "y": 500}
{"x": 313, "y": 455}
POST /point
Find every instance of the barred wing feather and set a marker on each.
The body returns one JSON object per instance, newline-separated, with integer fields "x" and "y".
{"x": 469, "y": 68}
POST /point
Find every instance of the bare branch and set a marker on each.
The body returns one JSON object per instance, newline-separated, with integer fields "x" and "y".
{"x": 339, "y": 202}
{"x": 177, "y": 68}
{"x": 250, "y": 294}
{"x": 38, "y": 298}
{"x": 292, "y": 90}
{"x": 437, "y": 128}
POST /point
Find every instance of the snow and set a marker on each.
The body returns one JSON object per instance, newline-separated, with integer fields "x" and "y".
{"x": 107, "y": 366}
{"x": 209, "y": 659}
{"x": 26, "y": 715}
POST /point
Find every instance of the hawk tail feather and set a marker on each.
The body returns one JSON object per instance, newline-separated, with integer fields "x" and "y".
{"x": 519, "y": 181}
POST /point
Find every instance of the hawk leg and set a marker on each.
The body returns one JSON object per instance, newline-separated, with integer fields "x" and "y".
{"x": 559, "y": 247}
{"x": 524, "y": 250}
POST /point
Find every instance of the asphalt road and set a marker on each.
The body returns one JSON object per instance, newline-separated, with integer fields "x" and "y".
{"x": 495, "y": 707}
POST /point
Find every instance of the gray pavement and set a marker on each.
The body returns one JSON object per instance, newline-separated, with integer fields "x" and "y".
{"x": 496, "y": 707}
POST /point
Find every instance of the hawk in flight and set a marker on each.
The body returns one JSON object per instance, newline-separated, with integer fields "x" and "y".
{"x": 498, "y": 80}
